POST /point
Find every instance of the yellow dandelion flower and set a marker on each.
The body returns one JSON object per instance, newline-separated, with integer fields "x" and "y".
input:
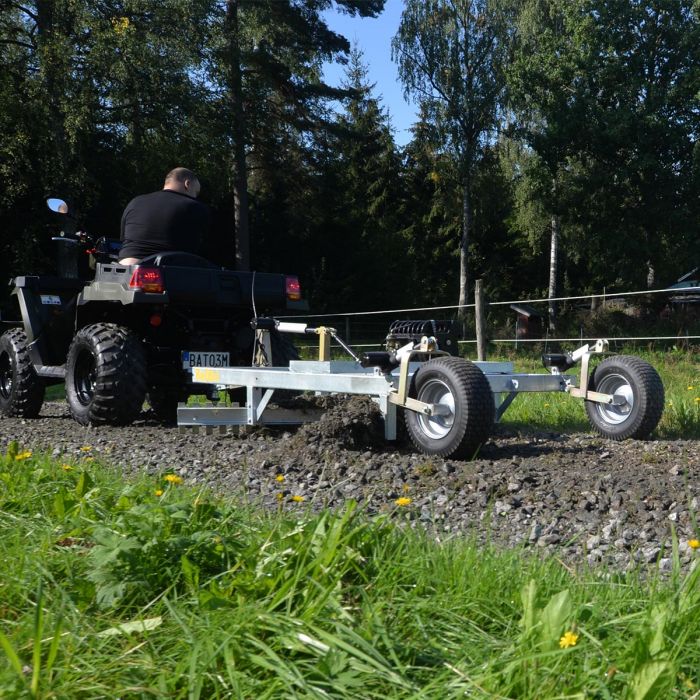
{"x": 280, "y": 478}
{"x": 546, "y": 405}
{"x": 298, "y": 499}
{"x": 697, "y": 399}
{"x": 23, "y": 455}
{"x": 403, "y": 501}
{"x": 158, "y": 492}
{"x": 173, "y": 479}
{"x": 66, "y": 467}
{"x": 279, "y": 496}
{"x": 120, "y": 25}
{"x": 693, "y": 544}
{"x": 86, "y": 448}
{"x": 568, "y": 640}
{"x": 691, "y": 388}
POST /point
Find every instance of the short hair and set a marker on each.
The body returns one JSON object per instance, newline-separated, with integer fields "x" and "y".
{"x": 180, "y": 175}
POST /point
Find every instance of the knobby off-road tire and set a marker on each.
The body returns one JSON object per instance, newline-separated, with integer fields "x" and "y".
{"x": 105, "y": 375}
{"x": 462, "y": 387}
{"x": 21, "y": 390}
{"x": 639, "y": 384}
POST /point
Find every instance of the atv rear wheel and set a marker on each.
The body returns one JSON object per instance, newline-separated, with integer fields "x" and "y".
{"x": 460, "y": 387}
{"x": 640, "y": 398}
{"x": 105, "y": 375}
{"x": 21, "y": 390}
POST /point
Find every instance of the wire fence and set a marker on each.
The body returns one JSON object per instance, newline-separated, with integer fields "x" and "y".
{"x": 672, "y": 315}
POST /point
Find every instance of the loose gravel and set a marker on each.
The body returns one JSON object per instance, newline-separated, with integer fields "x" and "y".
{"x": 577, "y": 496}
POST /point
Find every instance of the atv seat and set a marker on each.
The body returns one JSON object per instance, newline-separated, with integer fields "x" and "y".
{"x": 177, "y": 258}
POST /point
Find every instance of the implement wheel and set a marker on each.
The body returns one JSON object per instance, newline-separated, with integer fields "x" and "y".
{"x": 105, "y": 375}
{"x": 639, "y": 396}
{"x": 460, "y": 388}
{"x": 21, "y": 390}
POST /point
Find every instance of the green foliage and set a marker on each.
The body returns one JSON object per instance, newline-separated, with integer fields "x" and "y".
{"x": 586, "y": 111}
{"x": 605, "y": 97}
{"x": 237, "y": 603}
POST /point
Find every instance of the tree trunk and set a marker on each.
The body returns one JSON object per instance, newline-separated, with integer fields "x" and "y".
{"x": 553, "y": 271}
{"x": 240, "y": 170}
{"x": 51, "y": 68}
{"x": 467, "y": 223}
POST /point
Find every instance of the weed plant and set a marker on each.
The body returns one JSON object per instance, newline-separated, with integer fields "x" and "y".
{"x": 152, "y": 589}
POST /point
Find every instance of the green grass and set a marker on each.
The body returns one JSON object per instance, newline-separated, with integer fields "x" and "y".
{"x": 150, "y": 589}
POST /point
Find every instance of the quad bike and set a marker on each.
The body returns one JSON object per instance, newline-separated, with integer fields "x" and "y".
{"x": 115, "y": 334}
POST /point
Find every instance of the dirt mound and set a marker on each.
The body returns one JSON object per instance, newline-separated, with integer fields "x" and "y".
{"x": 348, "y": 422}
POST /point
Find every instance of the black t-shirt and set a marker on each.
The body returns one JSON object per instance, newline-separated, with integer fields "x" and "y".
{"x": 164, "y": 220}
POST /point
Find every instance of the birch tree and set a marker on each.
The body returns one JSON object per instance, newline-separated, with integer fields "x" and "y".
{"x": 450, "y": 55}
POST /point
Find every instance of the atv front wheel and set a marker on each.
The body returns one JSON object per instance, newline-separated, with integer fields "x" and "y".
{"x": 105, "y": 375}
{"x": 639, "y": 398}
{"x": 460, "y": 388}
{"x": 21, "y": 390}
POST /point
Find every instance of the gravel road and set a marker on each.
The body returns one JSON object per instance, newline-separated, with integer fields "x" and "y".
{"x": 578, "y": 496}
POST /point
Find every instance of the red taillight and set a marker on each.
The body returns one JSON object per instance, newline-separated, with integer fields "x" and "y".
{"x": 293, "y": 289}
{"x": 147, "y": 279}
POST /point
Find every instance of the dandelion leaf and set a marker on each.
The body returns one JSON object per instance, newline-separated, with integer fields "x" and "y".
{"x": 659, "y": 617}
{"x": 652, "y": 680}
{"x": 528, "y": 594}
{"x": 554, "y": 616}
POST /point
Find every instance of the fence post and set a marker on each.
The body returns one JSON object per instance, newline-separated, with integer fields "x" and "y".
{"x": 480, "y": 320}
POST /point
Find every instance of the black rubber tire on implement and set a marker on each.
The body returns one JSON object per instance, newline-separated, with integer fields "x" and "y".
{"x": 21, "y": 390}
{"x": 105, "y": 375}
{"x": 639, "y": 383}
{"x": 462, "y": 386}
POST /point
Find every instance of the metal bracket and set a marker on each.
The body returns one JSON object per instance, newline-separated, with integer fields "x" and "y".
{"x": 400, "y": 397}
{"x": 584, "y": 354}
{"x": 257, "y": 403}
{"x": 503, "y": 406}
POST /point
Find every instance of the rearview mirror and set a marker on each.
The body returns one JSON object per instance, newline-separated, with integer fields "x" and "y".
{"x": 57, "y": 205}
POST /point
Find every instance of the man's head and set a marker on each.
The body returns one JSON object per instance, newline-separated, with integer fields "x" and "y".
{"x": 182, "y": 180}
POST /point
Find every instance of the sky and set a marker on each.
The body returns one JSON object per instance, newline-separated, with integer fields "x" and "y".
{"x": 373, "y": 37}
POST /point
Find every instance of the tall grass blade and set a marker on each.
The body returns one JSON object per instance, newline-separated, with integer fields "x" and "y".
{"x": 38, "y": 634}
{"x": 11, "y": 654}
